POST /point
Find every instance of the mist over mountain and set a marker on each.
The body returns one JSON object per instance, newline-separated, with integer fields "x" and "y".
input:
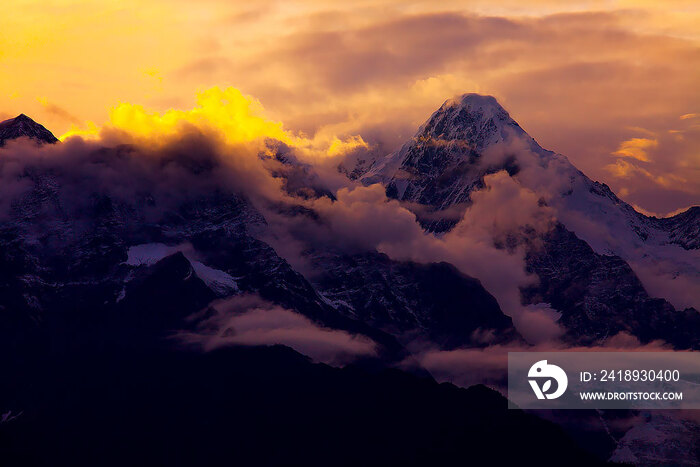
{"x": 470, "y": 238}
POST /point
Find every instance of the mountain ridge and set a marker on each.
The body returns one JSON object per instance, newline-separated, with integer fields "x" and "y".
{"x": 71, "y": 280}
{"x": 482, "y": 121}
{"x": 23, "y": 126}
{"x": 472, "y": 136}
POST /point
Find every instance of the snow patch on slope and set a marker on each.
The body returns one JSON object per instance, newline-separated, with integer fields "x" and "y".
{"x": 150, "y": 253}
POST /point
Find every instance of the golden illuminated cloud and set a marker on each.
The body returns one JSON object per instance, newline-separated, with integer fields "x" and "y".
{"x": 636, "y": 148}
{"x": 233, "y": 116}
{"x": 238, "y": 117}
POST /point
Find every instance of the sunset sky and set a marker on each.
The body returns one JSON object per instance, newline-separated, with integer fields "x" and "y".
{"x": 615, "y": 86}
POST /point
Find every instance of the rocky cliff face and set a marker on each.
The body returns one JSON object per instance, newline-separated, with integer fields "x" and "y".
{"x": 430, "y": 302}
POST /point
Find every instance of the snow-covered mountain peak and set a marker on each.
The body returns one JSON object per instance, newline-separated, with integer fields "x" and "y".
{"x": 443, "y": 162}
{"x": 474, "y": 102}
{"x": 472, "y": 136}
{"x": 471, "y": 118}
{"x": 21, "y": 126}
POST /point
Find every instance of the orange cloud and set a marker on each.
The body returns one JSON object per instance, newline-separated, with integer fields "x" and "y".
{"x": 623, "y": 169}
{"x": 636, "y": 148}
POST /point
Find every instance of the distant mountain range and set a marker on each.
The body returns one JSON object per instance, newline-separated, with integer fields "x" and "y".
{"x": 583, "y": 273}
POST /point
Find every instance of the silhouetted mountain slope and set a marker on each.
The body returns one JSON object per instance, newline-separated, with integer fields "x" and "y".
{"x": 262, "y": 406}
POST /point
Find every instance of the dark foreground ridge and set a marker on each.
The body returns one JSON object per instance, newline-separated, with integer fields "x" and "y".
{"x": 262, "y": 406}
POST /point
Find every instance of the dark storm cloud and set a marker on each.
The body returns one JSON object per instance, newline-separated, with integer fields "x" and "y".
{"x": 400, "y": 49}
